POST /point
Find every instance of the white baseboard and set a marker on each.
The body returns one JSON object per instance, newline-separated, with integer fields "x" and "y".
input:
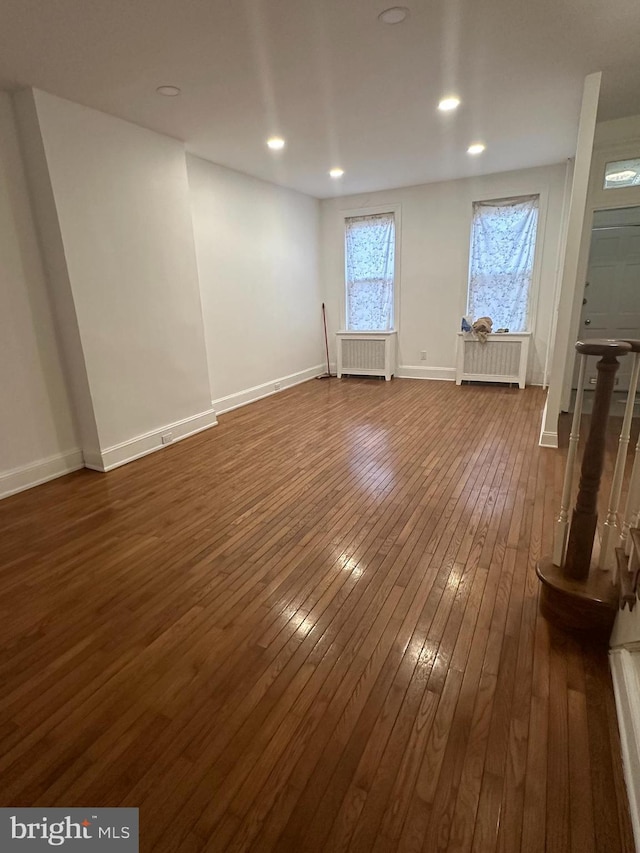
{"x": 250, "y": 395}
{"x": 149, "y": 442}
{"x": 625, "y": 673}
{"x": 446, "y": 374}
{"x": 27, "y": 476}
{"x": 413, "y": 371}
{"x": 548, "y": 439}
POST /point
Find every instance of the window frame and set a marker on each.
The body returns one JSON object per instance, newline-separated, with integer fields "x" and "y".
{"x": 538, "y": 255}
{"x": 394, "y": 208}
{"x": 613, "y": 197}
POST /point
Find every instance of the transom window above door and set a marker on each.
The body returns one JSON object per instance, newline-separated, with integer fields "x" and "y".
{"x": 622, "y": 173}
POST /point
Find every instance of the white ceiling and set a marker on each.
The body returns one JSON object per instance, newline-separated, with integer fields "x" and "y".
{"x": 341, "y": 87}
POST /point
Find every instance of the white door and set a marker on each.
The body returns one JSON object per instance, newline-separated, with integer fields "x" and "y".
{"x": 611, "y": 303}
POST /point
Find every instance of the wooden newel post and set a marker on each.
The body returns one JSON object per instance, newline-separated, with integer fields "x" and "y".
{"x": 561, "y": 529}
{"x": 585, "y": 515}
{"x": 573, "y": 595}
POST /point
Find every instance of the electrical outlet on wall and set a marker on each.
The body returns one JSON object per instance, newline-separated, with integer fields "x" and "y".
{"x": 277, "y": 386}
{"x": 167, "y": 438}
{"x": 423, "y": 355}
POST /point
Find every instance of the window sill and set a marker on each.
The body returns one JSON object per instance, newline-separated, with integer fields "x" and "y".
{"x": 372, "y": 332}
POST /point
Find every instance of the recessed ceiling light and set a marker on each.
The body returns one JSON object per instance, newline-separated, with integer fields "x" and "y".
{"x": 448, "y": 104}
{"x": 276, "y": 143}
{"x": 336, "y": 173}
{"x": 394, "y": 15}
{"x": 168, "y": 91}
{"x": 476, "y": 148}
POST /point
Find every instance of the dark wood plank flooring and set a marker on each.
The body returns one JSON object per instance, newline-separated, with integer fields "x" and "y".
{"x": 312, "y": 628}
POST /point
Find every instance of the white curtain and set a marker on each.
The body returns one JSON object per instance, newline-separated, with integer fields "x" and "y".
{"x": 501, "y": 267}
{"x": 370, "y": 249}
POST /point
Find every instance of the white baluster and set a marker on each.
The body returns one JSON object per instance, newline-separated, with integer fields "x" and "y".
{"x": 561, "y": 529}
{"x": 611, "y": 527}
{"x": 632, "y": 508}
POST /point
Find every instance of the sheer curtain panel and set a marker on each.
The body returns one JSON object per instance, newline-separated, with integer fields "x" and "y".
{"x": 370, "y": 253}
{"x": 501, "y": 266}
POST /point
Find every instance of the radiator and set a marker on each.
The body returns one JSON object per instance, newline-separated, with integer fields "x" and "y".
{"x": 366, "y": 353}
{"x": 502, "y": 358}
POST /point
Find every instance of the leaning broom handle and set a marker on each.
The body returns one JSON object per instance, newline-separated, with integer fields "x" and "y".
{"x": 562, "y": 522}
{"x": 607, "y": 546}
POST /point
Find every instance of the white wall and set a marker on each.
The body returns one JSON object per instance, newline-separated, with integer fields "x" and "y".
{"x": 624, "y": 658}
{"x": 57, "y": 275}
{"x": 257, "y": 250}
{"x": 436, "y": 228}
{"x": 617, "y": 131}
{"x": 122, "y": 202}
{"x": 37, "y": 434}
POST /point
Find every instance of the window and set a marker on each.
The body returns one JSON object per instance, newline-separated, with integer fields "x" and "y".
{"x": 622, "y": 173}
{"x": 503, "y": 243}
{"x": 370, "y": 263}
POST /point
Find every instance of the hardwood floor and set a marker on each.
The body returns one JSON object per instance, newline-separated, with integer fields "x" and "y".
{"x": 312, "y": 628}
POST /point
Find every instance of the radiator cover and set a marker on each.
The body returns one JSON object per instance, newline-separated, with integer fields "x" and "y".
{"x": 502, "y": 358}
{"x": 366, "y": 353}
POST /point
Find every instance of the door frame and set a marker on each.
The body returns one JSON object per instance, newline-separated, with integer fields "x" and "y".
{"x": 598, "y": 199}
{"x": 608, "y": 331}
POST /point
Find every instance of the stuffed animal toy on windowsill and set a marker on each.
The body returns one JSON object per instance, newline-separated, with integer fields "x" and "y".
{"x": 482, "y": 327}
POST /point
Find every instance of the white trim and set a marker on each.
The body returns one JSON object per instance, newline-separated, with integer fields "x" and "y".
{"x": 258, "y": 392}
{"x": 625, "y": 674}
{"x": 548, "y": 438}
{"x": 614, "y": 197}
{"x": 566, "y": 322}
{"x": 562, "y": 241}
{"x": 27, "y": 476}
{"x": 538, "y": 260}
{"x": 149, "y": 442}
{"x": 93, "y": 460}
{"x": 597, "y": 199}
{"x": 415, "y": 371}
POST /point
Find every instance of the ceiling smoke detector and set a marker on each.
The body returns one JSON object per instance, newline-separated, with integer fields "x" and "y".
{"x": 394, "y": 15}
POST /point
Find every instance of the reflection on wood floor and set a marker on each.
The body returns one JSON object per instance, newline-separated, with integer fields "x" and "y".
{"x": 312, "y": 628}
